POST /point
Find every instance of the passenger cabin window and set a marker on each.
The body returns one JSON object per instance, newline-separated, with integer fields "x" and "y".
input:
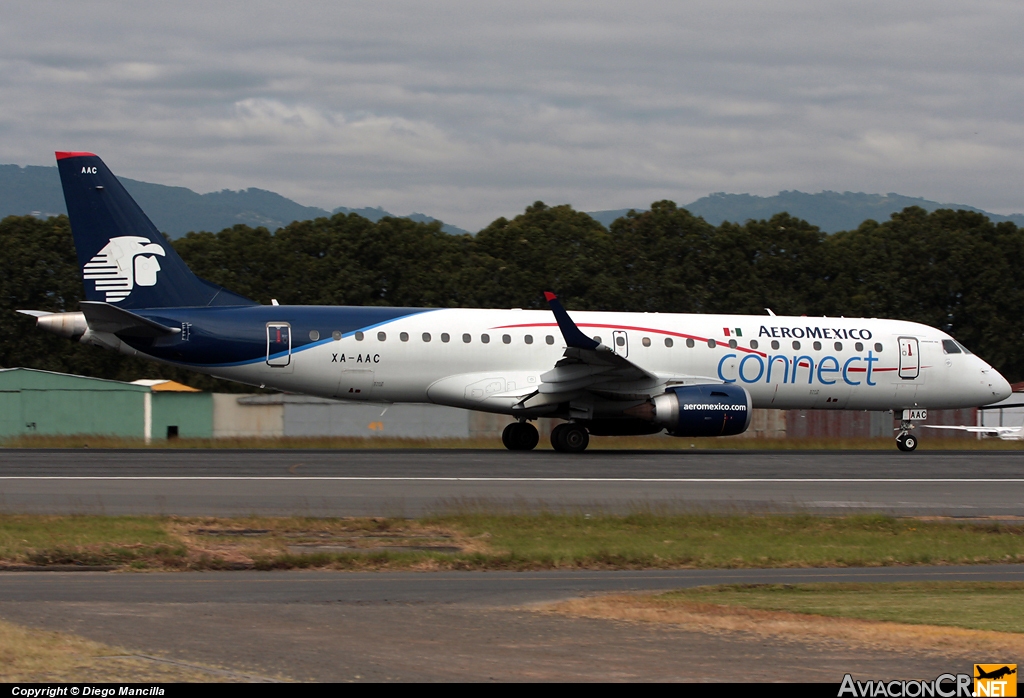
{"x": 838, "y": 346}
{"x": 336, "y": 335}
{"x": 313, "y": 335}
{"x": 775, "y": 344}
{"x": 466, "y": 338}
{"x": 620, "y": 341}
{"x": 528, "y": 339}
{"x": 817, "y": 346}
{"x": 381, "y": 336}
{"x": 712, "y": 343}
{"x": 689, "y": 343}
{"x": 404, "y": 336}
{"x": 878, "y": 347}
{"x": 796, "y": 345}
{"x": 732, "y": 343}
{"x": 646, "y": 341}
{"x": 485, "y": 338}
{"x": 426, "y": 336}
{"x": 506, "y": 339}
{"x": 597, "y": 338}
{"x": 445, "y": 337}
{"x": 753, "y": 344}
{"x": 549, "y": 339}
{"x": 950, "y": 347}
{"x": 359, "y": 336}
{"x": 668, "y": 341}
{"x": 859, "y": 346}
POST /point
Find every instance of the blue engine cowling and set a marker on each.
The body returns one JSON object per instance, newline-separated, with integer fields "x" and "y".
{"x": 704, "y": 410}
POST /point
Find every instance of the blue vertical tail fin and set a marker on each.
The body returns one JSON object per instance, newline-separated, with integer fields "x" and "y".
{"x": 124, "y": 259}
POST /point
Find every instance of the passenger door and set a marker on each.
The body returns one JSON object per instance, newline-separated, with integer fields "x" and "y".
{"x": 279, "y": 344}
{"x": 910, "y": 359}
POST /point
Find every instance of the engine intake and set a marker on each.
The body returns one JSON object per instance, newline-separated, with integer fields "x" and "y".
{"x": 704, "y": 410}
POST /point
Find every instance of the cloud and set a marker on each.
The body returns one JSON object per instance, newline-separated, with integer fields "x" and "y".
{"x": 469, "y": 111}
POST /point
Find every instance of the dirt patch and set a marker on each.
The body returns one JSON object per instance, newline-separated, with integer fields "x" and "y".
{"x": 873, "y": 635}
{"x": 30, "y": 655}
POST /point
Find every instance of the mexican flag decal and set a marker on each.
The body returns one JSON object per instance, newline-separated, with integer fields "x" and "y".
{"x": 735, "y": 332}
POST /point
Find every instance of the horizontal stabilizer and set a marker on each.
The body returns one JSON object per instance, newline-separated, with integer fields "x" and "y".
{"x": 103, "y": 317}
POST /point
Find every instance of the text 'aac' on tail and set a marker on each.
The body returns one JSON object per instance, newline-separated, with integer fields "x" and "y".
{"x": 124, "y": 259}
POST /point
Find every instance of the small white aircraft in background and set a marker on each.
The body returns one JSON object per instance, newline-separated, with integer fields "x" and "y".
{"x": 1004, "y": 433}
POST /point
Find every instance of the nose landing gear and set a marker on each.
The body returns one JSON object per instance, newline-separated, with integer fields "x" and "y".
{"x": 905, "y": 441}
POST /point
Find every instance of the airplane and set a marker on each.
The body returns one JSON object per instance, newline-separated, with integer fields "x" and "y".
{"x": 995, "y": 674}
{"x": 604, "y": 373}
{"x": 1004, "y": 433}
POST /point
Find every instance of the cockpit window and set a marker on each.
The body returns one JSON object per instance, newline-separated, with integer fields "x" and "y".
{"x": 950, "y": 347}
{"x": 963, "y": 348}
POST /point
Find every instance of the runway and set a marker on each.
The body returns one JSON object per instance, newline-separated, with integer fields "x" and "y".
{"x": 458, "y": 626}
{"x": 417, "y": 482}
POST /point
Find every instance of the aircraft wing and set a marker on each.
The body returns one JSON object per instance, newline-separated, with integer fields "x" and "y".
{"x": 588, "y": 366}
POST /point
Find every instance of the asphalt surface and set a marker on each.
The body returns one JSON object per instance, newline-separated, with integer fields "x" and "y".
{"x": 448, "y": 626}
{"x": 416, "y": 482}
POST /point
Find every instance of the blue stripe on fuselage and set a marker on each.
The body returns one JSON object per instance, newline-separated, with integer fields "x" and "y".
{"x": 236, "y": 336}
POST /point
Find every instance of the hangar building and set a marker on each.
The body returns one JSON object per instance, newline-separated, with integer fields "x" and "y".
{"x": 45, "y": 402}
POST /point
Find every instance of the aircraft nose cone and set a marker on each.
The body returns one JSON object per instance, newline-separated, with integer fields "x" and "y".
{"x": 999, "y": 386}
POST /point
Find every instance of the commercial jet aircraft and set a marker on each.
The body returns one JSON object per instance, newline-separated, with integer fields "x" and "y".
{"x": 605, "y": 373}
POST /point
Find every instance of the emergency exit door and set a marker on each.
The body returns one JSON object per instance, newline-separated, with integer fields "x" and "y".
{"x": 620, "y": 343}
{"x": 910, "y": 360}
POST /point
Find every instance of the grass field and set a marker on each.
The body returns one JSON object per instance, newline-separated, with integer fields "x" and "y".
{"x": 982, "y": 620}
{"x": 508, "y": 541}
{"x": 929, "y": 442}
{"x": 995, "y": 606}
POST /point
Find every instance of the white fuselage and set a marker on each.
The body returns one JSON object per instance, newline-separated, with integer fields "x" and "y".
{"x": 489, "y": 359}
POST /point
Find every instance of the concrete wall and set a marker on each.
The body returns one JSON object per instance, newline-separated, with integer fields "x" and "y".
{"x": 298, "y": 415}
{"x": 235, "y": 416}
{"x": 311, "y": 417}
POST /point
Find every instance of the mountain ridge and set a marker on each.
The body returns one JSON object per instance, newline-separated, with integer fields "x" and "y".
{"x": 828, "y": 210}
{"x": 35, "y": 190}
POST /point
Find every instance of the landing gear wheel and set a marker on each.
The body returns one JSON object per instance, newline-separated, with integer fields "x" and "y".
{"x": 570, "y": 438}
{"x": 906, "y": 442}
{"x": 556, "y": 438}
{"x": 520, "y": 436}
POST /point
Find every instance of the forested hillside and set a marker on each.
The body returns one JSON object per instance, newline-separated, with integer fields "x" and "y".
{"x": 955, "y": 270}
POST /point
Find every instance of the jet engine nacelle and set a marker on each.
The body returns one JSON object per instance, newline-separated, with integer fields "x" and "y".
{"x": 704, "y": 410}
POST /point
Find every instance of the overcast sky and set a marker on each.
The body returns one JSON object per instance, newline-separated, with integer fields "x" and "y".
{"x": 468, "y": 111}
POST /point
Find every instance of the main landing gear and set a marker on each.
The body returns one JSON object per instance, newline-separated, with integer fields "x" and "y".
{"x": 905, "y": 441}
{"x": 570, "y": 438}
{"x": 565, "y": 438}
{"x": 520, "y": 436}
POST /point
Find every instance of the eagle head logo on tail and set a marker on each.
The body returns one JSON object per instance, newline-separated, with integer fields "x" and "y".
{"x": 124, "y": 263}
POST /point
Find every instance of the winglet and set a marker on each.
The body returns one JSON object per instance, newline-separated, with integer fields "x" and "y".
{"x": 570, "y": 332}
